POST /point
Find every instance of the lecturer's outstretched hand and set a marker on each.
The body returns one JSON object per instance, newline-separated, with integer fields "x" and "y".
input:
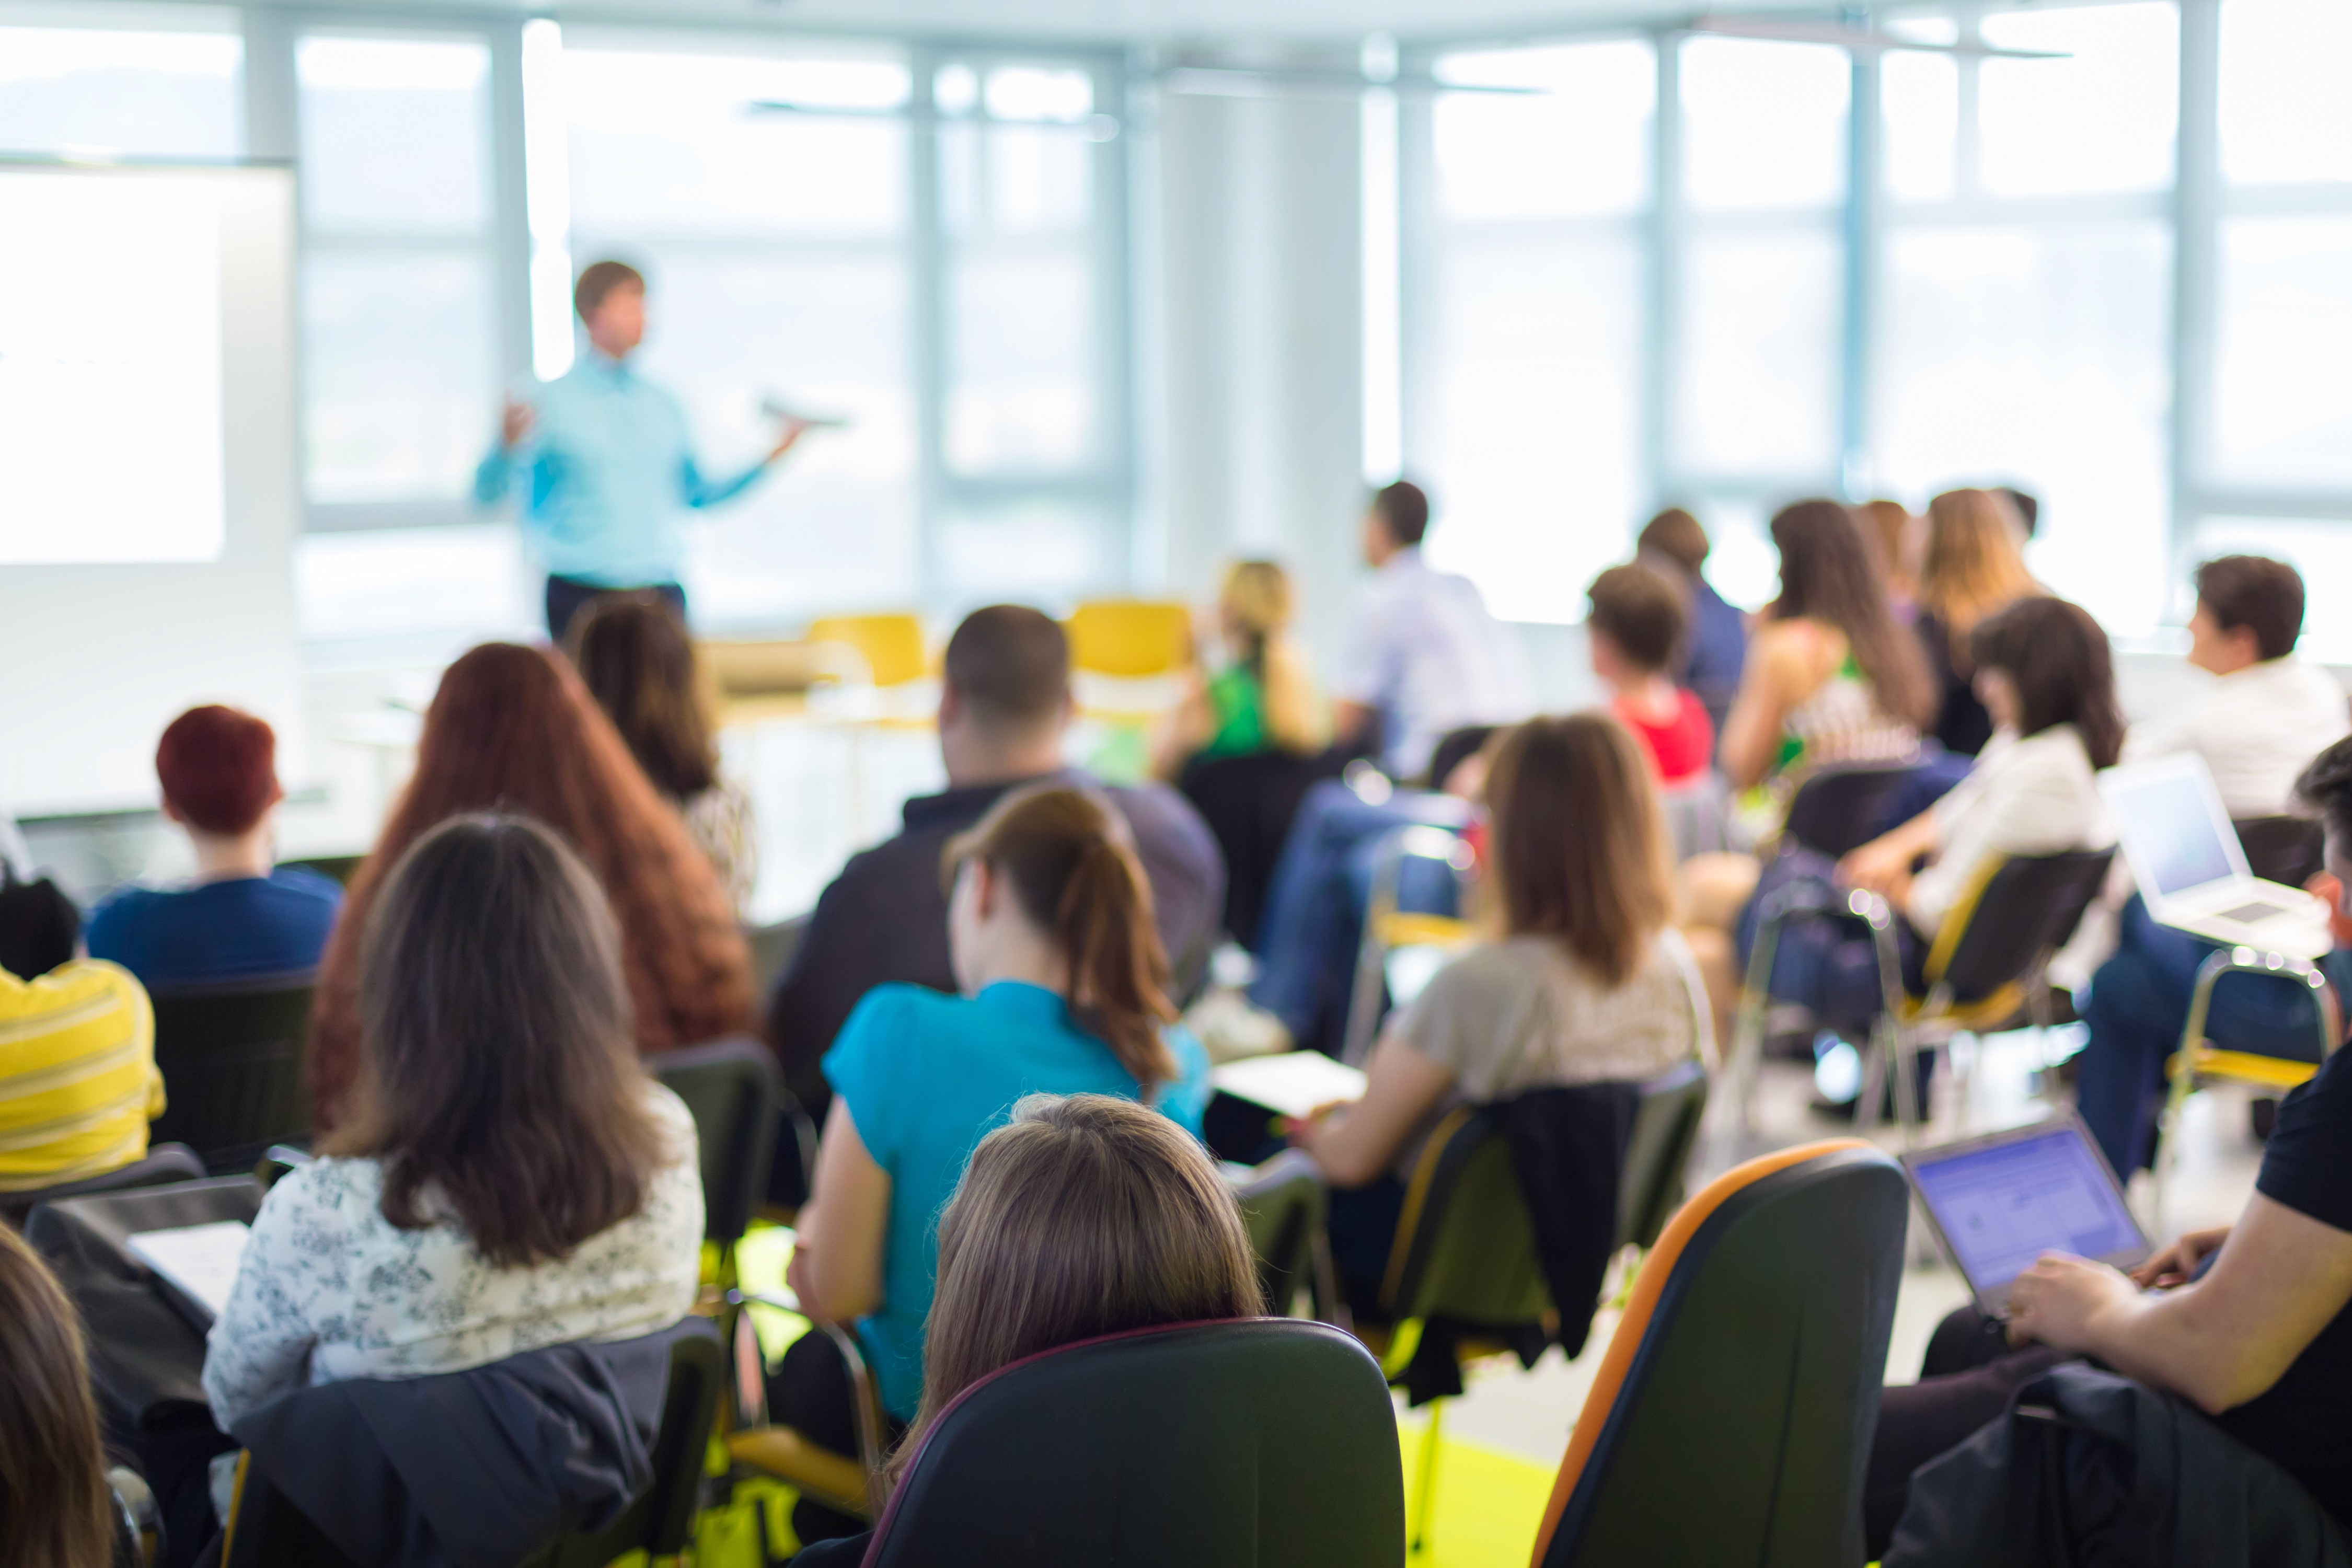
{"x": 515, "y": 422}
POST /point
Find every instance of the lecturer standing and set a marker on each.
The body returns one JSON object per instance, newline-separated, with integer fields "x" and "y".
{"x": 604, "y": 464}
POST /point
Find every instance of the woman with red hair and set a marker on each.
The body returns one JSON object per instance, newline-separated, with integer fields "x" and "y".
{"x": 512, "y": 730}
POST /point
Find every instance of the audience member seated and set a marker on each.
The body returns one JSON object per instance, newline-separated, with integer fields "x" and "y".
{"x": 239, "y": 917}
{"x": 1261, "y": 698}
{"x": 39, "y": 926}
{"x": 1711, "y": 658}
{"x": 2257, "y": 726}
{"x": 1064, "y": 992}
{"x": 1898, "y": 533}
{"x": 1975, "y": 567}
{"x": 1424, "y": 657}
{"x": 1082, "y": 1216}
{"x": 1004, "y": 706}
{"x": 508, "y": 1176}
{"x": 2044, "y": 672}
{"x": 2251, "y": 1323}
{"x": 1588, "y": 983}
{"x": 77, "y": 1078}
{"x": 1634, "y": 626}
{"x": 632, "y": 654}
{"x": 56, "y": 1509}
{"x": 511, "y": 729}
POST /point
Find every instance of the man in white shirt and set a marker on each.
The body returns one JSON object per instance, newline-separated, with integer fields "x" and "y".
{"x": 2258, "y": 725}
{"x": 1426, "y": 656}
{"x": 2268, "y": 713}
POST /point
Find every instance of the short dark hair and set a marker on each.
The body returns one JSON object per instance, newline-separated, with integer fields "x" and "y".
{"x": 2257, "y": 592}
{"x": 2028, "y": 510}
{"x": 1638, "y": 610}
{"x": 599, "y": 279}
{"x": 2058, "y": 659}
{"x": 1677, "y": 535}
{"x": 2325, "y": 787}
{"x": 1404, "y": 510}
{"x": 218, "y": 768}
{"x": 1010, "y": 665}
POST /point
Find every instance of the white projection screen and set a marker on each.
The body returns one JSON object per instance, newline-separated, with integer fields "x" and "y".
{"x": 149, "y": 488}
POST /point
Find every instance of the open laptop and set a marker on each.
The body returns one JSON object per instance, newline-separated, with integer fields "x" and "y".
{"x": 1999, "y": 1202}
{"x": 2191, "y": 869}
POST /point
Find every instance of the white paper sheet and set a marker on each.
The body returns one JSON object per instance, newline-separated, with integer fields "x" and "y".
{"x": 201, "y": 1259}
{"x": 1293, "y": 1083}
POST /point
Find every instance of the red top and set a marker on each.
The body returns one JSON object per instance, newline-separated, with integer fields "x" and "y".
{"x": 1681, "y": 747}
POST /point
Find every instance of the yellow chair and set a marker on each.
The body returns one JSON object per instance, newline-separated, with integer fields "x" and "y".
{"x": 2200, "y": 1061}
{"x": 891, "y": 645}
{"x": 1131, "y": 640}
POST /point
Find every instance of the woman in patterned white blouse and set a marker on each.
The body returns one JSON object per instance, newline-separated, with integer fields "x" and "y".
{"x": 508, "y": 1177}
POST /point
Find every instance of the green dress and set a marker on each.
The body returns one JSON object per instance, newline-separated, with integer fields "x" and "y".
{"x": 1238, "y": 700}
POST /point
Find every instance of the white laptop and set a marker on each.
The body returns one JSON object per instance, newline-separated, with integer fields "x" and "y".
{"x": 2000, "y": 1201}
{"x": 2190, "y": 867}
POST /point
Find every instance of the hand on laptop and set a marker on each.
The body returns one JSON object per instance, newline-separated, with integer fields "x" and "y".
{"x": 2060, "y": 1297}
{"x": 2177, "y": 1263}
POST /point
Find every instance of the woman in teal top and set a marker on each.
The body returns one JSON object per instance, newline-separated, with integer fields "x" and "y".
{"x": 1063, "y": 980}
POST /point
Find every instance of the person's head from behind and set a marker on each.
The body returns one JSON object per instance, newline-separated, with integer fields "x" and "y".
{"x": 1398, "y": 519}
{"x": 2029, "y": 508}
{"x": 2249, "y": 610}
{"x": 1830, "y": 573}
{"x": 610, "y": 298}
{"x": 1005, "y": 699}
{"x": 498, "y": 1066}
{"x": 1975, "y": 559}
{"x": 2044, "y": 662}
{"x": 1254, "y": 608}
{"x": 633, "y": 655}
{"x": 1579, "y": 840}
{"x": 1634, "y": 624}
{"x": 1084, "y": 1216}
{"x": 2325, "y": 790}
{"x": 1047, "y": 889}
{"x": 1677, "y": 535}
{"x": 218, "y": 768}
{"x": 56, "y": 1508}
{"x": 1890, "y": 522}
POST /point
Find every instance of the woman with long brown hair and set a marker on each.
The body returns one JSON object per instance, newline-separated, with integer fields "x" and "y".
{"x": 1587, "y": 982}
{"x": 1064, "y": 992}
{"x": 1082, "y": 1216}
{"x": 55, "y": 1508}
{"x": 1975, "y": 568}
{"x": 632, "y": 653}
{"x": 511, "y": 729}
{"x": 510, "y": 1176}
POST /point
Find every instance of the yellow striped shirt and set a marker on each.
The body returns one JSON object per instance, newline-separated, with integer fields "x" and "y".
{"x": 77, "y": 1078}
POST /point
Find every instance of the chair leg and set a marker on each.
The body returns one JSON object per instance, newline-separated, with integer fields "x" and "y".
{"x": 1425, "y": 1491}
{"x": 1735, "y": 1110}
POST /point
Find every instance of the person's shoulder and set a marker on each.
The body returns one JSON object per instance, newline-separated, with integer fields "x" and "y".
{"x": 308, "y": 884}
{"x": 896, "y": 1016}
{"x": 120, "y": 913}
{"x": 66, "y": 994}
{"x": 675, "y": 1119}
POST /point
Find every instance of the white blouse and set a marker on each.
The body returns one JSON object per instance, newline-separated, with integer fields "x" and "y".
{"x": 2038, "y": 795}
{"x": 328, "y": 1288}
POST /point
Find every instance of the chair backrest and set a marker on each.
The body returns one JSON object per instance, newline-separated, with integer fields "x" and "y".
{"x": 735, "y": 1091}
{"x": 2284, "y": 850}
{"x": 891, "y": 645}
{"x": 231, "y": 1056}
{"x": 1131, "y": 638}
{"x": 1698, "y": 816}
{"x": 164, "y": 1163}
{"x": 1731, "y": 1418}
{"x": 1841, "y": 808}
{"x": 772, "y": 947}
{"x": 1666, "y": 1119}
{"x": 1465, "y": 1247}
{"x": 1248, "y": 802}
{"x": 2030, "y": 905}
{"x": 1258, "y": 1441}
{"x": 1282, "y": 1203}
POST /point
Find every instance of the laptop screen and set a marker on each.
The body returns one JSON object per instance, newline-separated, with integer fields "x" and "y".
{"x": 2001, "y": 1207}
{"x": 2171, "y": 831}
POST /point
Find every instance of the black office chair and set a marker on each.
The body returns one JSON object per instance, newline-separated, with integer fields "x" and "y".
{"x": 1248, "y": 802}
{"x": 266, "y": 1530}
{"x": 1668, "y": 1113}
{"x": 772, "y": 947}
{"x": 2283, "y": 849}
{"x": 1282, "y": 1203}
{"x": 1256, "y": 1441}
{"x": 162, "y": 1163}
{"x": 1838, "y": 809}
{"x": 231, "y": 1056}
{"x": 1751, "y": 1354}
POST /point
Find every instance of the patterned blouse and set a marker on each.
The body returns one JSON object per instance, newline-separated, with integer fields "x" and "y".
{"x": 330, "y": 1289}
{"x": 721, "y": 822}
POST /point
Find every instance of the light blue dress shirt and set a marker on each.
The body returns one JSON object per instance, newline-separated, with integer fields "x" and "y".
{"x": 605, "y": 474}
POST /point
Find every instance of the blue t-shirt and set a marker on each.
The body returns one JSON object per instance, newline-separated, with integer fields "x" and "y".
{"x": 217, "y": 930}
{"x": 926, "y": 1076}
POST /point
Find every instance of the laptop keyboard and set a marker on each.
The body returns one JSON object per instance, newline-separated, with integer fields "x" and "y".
{"x": 2246, "y": 914}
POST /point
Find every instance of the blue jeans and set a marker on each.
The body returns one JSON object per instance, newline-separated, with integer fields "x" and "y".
{"x": 1826, "y": 963}
{"x": 1314, "y": 906}
{"x": 2137, "y": 1007}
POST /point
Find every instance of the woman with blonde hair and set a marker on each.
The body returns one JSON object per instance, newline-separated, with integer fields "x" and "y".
{"x": 1081, "y": 1217}
{"x": 1897, "y": 532}
{"x": 1263, "y": 700}
{"x": 1974, "y": 568}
